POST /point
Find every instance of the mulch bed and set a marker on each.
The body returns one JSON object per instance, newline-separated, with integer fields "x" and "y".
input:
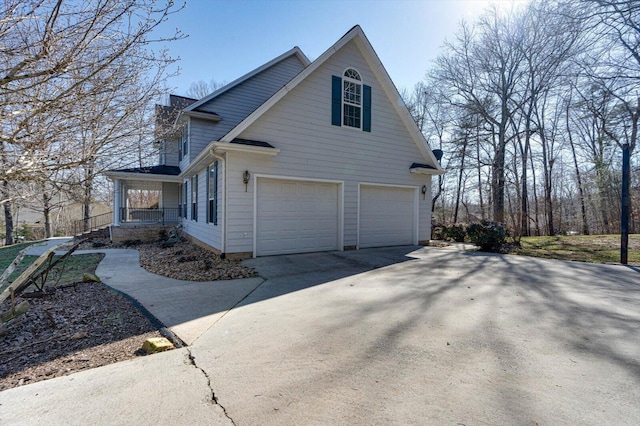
{"x": 88, "y": 325}
{"x": 182, "y": 261}
{"x": 73, "y": 329}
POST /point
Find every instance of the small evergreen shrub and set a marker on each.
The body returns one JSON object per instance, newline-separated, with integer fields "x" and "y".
{"x": 455, "y": 233}
{"x": 487, "y": 235}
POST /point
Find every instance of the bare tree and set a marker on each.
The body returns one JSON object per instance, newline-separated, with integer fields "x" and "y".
{"x": 57, "y": 59}
{"x": 201, "y": 88}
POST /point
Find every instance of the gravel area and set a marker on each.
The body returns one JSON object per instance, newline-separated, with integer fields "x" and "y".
{"x": 87, "y": 325}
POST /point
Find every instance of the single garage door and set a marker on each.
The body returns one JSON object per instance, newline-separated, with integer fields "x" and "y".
{"x": 296, "y": 217}
{"x": 387, "y": 216}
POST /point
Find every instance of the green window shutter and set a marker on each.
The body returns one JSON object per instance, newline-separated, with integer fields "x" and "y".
{"x": 206, "y": 178}
{"x": 215, "y": 193}
{"x": 366, "y": 108}
{"x": 336, "y": 101}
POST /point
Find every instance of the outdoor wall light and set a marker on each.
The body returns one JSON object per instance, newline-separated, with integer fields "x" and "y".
{"x": 245, "y": 179}
{"x": 424, "y": 191}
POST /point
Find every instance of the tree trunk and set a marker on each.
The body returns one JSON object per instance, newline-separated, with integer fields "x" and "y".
{"x": 497, "y": 178}
{"x": 547, "y": 165}
{"x": 46, "y": 210}
{"x": 86, "y": 199}
{"x": 536, "y": 209}
{"x": 583, "y": 207}
{"x": 480, "y": 198}
{"x": 8, "y": 217}
{"x": 459, "y": 189}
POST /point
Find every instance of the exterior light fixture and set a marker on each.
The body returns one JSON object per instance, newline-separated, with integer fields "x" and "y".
{"x": 245, "y": 179}
{"x": 424, "y": 191}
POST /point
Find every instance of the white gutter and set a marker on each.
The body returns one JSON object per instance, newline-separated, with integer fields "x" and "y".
{"x": 221, "y": 147}
{"x": 146, "y": 177}
{"x": 423, "y": 171}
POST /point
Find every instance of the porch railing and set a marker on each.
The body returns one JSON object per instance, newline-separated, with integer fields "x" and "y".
{"x": 160, "y": 216}
{"x": 92, "y": 223}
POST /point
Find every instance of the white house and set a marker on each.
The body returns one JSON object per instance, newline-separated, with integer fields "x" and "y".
{"x": 295, "y": 156}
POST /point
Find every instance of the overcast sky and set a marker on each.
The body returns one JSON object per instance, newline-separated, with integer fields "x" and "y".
{"x": 230, "y": 38}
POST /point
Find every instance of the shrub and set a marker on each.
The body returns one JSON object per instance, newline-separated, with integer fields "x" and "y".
{"x": 487, "y": 235}
{"x": 438, "y": 233}
{"x": 455, "y": 233}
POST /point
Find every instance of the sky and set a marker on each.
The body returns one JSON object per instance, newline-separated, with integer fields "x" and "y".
{"x": 227, "y": 39}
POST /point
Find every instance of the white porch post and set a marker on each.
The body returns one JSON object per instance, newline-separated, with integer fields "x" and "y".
{"x": 117, "y": 198}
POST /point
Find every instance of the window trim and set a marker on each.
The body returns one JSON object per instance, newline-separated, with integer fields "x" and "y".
{"x": 337, "y": 102}
{"x": 183, "y": 142}
{"x": 359, "y": 85}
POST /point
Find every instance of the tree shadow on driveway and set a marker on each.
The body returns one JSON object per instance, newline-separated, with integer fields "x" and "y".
{"x": 442, "y": 337}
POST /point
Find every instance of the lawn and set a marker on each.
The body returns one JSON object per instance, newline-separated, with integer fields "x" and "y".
{"x": 583, "y": 248}
{"x": 66, "y": 273}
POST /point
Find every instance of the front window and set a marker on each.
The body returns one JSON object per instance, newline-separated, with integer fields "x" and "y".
{"x": 183, "y": 143}
{"x": 194, "y": 198}
{"x": 352, "y": 99}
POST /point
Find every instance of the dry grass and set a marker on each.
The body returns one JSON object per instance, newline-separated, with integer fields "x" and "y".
{"x": 582, "y": 248}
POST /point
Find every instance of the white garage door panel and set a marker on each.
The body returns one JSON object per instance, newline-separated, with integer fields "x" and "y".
{"x": 296, "y": 217}
{"x": 387, "y": 216}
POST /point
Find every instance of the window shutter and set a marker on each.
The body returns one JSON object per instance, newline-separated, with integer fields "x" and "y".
{"x": 215, "y": 193}
{"x": 366, "y": 108}
{"x": 184, "y": 206}
{"x": 336, "y": 101}
{"x": 206, "y": 178}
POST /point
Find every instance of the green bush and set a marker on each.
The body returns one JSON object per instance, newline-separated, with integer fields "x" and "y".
{"x": 487, "y": 235}
{"x": 454, "y": 233}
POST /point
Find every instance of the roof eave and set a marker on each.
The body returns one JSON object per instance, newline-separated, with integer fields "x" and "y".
{"x": 202, "y": 115}
{"x": 423, "y": 171}
{"x": 147, "y": 177}
{"x": 222, "y": 147}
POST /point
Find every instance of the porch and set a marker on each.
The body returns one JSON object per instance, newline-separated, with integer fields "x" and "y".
{"x": 145, "y": 202}
{"x": 146, "y": 197}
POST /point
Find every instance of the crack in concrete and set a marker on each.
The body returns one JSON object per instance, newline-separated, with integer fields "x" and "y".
{"x": 192, "y": 361}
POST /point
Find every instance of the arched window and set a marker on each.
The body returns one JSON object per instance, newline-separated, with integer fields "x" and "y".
{"x": 351, "y": 101}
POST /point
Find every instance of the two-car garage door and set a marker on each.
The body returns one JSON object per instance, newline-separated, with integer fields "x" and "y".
{"x": 295, "y": 216}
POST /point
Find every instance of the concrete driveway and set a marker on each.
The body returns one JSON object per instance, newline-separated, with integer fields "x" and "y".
{"x": 407, "y": 335}
{"x": 430, "y": 336}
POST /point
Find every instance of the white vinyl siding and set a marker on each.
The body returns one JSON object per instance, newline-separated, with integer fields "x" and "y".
{"x": 203, "y": 231}
{"x": 300, "y": 126}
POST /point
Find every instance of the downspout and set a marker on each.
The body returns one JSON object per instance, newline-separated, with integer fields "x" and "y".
{"x": 223, "y": 158}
